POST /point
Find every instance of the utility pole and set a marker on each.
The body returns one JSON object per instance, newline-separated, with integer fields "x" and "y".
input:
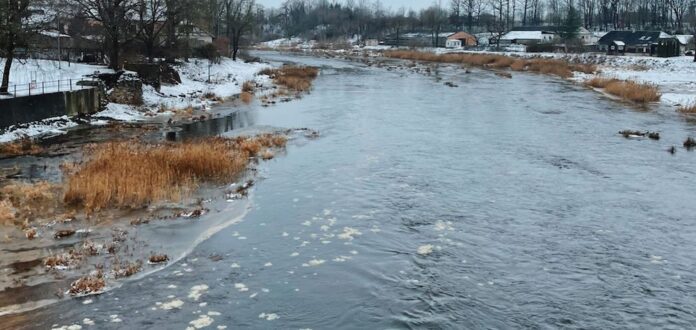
{"x": 59, "y": 46}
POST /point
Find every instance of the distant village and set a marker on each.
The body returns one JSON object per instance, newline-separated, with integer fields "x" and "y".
{"x": 535, "y": 39}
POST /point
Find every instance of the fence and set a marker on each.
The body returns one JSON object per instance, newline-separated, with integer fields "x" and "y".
{"x": 44, "y": 87}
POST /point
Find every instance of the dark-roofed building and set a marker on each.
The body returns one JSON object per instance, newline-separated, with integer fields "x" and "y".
{"x": 640, "y": 42}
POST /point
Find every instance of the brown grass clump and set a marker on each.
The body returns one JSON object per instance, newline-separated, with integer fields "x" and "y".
{"x": 158, "y": 258}
{"x": 64, "y": 260}
{"x": 23, "y": 146}
{"x": 248, "y": 86}
{"x": 133, "y": 175}
{"x": 88, "y": 284}
{"x": 21, "y": 201}
{"x": 246, "y": 97}
{"x": 7, "y": 212}
{"x": 551, "y": 67}
{"x": 600, "y": 82}
{"x": 518, "y": 65}
{"x": 689, "y": 109}
{"x": 127, "y": 269}
{"x": 267, "y": 155}
{"x": 633, "y": 91}
{"x": 627, "y": 90}
{"x": 555, "y": 67}
{"x": 297, "y": 78}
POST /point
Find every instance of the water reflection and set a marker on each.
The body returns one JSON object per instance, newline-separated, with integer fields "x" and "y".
{"x": 215, "y": 126}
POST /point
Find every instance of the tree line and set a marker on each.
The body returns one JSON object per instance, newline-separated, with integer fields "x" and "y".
{"x": 151, "y": 28}
{"x": 324, "y": 19}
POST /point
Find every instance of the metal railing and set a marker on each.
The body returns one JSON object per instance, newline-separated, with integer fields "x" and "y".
{"x": 53, "y": 86}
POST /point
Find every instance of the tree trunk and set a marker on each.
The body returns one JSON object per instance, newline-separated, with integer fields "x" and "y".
{"x": 115, "y": 50}
{"x": 6, "y": 71}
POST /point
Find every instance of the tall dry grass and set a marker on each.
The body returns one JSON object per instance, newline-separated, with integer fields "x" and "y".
{"x": 689, "y": 109}
{"x": 545, "y": 66}
{"x": 627, "y": 90}
{"x": 23, "y": 146}
{"x": 297, "y": 78}
{"x": 246, "y": 97}
{"x": 22, "y": 201}
{"x": 133, "y": 175}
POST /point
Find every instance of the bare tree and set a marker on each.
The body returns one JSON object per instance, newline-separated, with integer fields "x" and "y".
{"x": 15, "y": 30}
{"x": 151, "y": 24}
{"x": 239, "y": 19}
{"x": 115, "y": 17}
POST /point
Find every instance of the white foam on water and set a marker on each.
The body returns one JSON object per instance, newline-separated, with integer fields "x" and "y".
{"x": 294, "y": 254}
{"x": 197, "y": 291}
{"x": 87, "y": 321}
{"x": 176, "y": 303}
{"x": 202, "y": 322}
{"x": 269, "y": 316}
{"x": 313, "y": 263}
{"x": 425, "y": 250}
{"x": 214, "y": 313}
{"x": 241, "y": 287}
{"x": 234, "y": 265}
{"x": 268, "y": 264}
{"x": 349, "y": 233}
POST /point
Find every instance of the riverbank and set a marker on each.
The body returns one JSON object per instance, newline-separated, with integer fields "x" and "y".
{"x": 672, "y": 76}
{"x": 84, "y": 212}
{"x": 202, "y": 86}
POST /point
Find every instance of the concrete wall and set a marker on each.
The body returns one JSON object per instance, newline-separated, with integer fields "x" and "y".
{"x": 32, "y": 108}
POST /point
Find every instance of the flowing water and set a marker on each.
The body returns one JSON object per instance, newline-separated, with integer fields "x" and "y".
{"x": 501, "y": 203}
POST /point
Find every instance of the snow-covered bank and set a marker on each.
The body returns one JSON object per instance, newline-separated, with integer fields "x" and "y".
{"x": 197, "y": 90}
{"x": 673, "y": 75}
{"x": 226, "y": 80}
{"x": 24, "y": 71}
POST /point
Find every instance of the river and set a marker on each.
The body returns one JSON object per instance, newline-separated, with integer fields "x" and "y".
{"x": 499, "y": 203}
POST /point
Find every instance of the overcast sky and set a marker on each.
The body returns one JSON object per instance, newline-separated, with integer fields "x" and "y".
{"x": 394, "y": 4}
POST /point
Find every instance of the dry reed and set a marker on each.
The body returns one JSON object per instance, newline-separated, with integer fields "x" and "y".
{"x": 689, "y": 109}
{"x": 627, "y": 90}
{"x": 246, "y": 97}
{"x": 297, "y": 78}
{"x": 133, "y": 175}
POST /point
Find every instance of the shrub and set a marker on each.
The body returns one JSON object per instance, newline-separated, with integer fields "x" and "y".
{"x": 246, "y": 97}
{"x": 688, "y": 109}
{"x": 633, "y": 91}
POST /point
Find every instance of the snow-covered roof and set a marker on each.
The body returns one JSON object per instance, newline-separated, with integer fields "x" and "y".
{"x": 619, "y": 43}
{"x": 526, "y": 35}
{"x": 54, "y": 34}
{"x": 684, "y": 38}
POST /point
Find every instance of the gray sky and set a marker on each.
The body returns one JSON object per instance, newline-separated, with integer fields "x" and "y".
{"x": 394, "y": 4}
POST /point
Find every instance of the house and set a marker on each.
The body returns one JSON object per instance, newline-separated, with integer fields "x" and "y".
{"x": 686, "y": 42}
{"x": 529, "y": 35}
{"x": 639, "y": 42}
{"x": 460, "y": 39}
{"x": 667, "y": 47}
{"x": 616, "y": 48}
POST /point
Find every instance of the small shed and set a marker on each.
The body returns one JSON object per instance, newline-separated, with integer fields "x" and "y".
{"x": 616, "y": 47}
{"x": 667, "y": 47}
{"x": 461, "y": 39}
{"x": 371, "y": 42}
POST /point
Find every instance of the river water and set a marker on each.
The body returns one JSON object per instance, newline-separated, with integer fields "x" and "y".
{"x": 500, "y": 203}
